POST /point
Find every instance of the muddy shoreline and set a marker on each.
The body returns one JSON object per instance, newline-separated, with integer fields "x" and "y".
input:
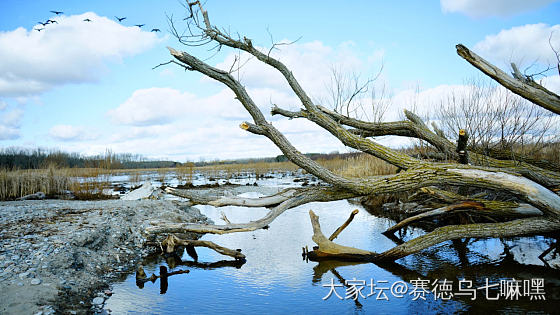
{"x": 61, "y": 256}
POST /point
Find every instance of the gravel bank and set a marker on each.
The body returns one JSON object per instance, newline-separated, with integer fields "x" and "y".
{"x": 61, "y": 256}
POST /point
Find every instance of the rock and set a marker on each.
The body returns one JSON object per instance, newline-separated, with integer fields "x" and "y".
{"x": 98, "y": 301}
{"x": 36, "y": 196}
{"x": 23, "y": 275}
{"x": 146, "y": 191}
{"x": 71, "y": 250}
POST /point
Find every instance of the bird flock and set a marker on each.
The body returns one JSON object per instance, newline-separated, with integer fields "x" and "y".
{"x": 119, "y": 19}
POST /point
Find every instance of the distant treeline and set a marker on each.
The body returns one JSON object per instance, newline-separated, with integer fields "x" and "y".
{"x": 281, "y": 158}
{"x": 17, "y": 158}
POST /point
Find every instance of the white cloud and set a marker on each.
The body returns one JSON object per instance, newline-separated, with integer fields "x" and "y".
{"x": 10, "y": 122}
{"x": 71, "y": 133}
{"x": 8, "y": 133}
{"x": 71, "y": 51}
{"x": 153, "y": 106}
{"x": 485, "y": 8}
{"x": 523, "y": 45}
{"x": 161, "y": 106}
{"x": 310, "y": 62}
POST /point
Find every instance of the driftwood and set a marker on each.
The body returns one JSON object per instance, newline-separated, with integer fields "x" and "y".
{"x": 343, "y": 226}
{"x": 171, "y": 241}
{"x": 303, "y": 196}
{"x": 527, "y": 188}
{"x": 36, "y": 196}
{"x": 329, "y": 250}
{"x": 463, "y": 206}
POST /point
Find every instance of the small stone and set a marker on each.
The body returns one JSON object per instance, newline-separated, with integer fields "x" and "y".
{"x": 98, "y": 301}
{"x": 108, "y": 292}
{"x": 20, "y": 284}
{"x": 36, "y": 281}
{"x": 23, "y": 275}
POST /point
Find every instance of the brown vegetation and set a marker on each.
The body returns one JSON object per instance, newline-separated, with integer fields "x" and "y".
{"x": 84, "y": 183}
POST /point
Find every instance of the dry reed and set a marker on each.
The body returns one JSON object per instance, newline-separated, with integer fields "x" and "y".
{"x": 83, "y": 183}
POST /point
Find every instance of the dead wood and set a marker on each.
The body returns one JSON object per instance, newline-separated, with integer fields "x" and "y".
{"x": 330, "y": 250}
{"x": 171, "y": 241}
{"x": 529, "y": 90}
{"x": 524, "y": 182}
{"x": 463, "y": 206}
{"x": 343, "y": 226}
{"x": 303, "y": 196}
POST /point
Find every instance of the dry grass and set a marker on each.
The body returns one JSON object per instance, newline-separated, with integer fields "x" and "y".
{"x": 185, "y": 173}
{"x": 14, "y": 184}
{"x": 359, "y": 166}
{"x": 84, "y": 183}
{"x": 88, "y": 183}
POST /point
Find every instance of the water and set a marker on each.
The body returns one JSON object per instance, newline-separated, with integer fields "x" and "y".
{"x": 275, "y": 279}
{"x": 122, "y": 182}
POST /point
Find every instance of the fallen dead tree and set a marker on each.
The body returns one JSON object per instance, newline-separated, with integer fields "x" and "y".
{"x": 531, "y": 206}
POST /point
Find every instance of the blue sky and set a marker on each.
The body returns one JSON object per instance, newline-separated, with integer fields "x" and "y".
{"x": 89, "y": 86}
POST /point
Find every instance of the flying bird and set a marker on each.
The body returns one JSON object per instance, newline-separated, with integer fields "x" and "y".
{"x": 44, "y": 24}
{"x": 87, "y": 20}
{"x": 155, "y": 30}
{"x": 39, "y": 29}
{"x": 52, "y": 21}
{"x": 57, "y": 12}
{"x": 139, "y": 25}
{"x": 120, "y": 19}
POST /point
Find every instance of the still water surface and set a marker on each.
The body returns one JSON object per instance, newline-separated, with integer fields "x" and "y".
{"x": 276, "y": 280}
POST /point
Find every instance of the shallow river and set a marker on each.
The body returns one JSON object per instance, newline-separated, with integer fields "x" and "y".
{"x": 276, "y": 279}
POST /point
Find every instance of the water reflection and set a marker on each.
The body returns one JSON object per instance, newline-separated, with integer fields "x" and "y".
{"x": 274, "y": 278}
{"x": 163, "y": 278}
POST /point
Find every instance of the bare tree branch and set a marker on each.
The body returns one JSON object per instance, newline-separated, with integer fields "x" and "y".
{"x": 530, "y": 91}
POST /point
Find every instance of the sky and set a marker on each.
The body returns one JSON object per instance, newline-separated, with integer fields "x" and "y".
{"x": 88, "y": 87}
